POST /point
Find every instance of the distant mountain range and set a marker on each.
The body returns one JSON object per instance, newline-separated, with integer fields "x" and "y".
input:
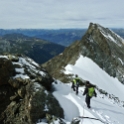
{"x": 37, "y": 49}
{"x": 63, "y": 37}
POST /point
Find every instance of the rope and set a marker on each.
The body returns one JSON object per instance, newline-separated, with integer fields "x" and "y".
{"x": 94, "y": 119}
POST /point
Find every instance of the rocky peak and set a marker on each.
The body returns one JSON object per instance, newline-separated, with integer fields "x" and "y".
{"x": 107, "y": 33}
{"x": 100, "y": 44}
{"x": 105, "y": 48}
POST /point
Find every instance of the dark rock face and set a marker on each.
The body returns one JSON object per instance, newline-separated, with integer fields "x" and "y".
{"x": 25, "y": 91}
{"x": 6, "y": 70}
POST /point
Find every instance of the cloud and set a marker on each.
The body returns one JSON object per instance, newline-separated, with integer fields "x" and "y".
{"x": 60, "y": 14}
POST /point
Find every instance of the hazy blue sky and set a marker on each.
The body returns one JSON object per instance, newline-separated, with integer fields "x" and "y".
{"x": 61, "y": 13}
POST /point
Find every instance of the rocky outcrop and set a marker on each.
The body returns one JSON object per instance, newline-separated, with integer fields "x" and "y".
{"x": 25, "y": 91}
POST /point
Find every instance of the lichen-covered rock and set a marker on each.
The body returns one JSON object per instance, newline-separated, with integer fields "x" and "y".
{"x": 42, "y": 102}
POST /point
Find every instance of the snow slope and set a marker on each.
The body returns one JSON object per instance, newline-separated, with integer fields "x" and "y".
{"x": 74, "y": 106}
{"x": 103, "y": 108}
{"x": 88, "y": 70}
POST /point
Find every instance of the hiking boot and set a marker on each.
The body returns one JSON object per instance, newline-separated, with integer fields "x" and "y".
{"x": 88, "y": 106}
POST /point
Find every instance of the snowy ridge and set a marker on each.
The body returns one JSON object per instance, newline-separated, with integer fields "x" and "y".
{"x": 88, "y": 70}
{"x": 111, "y": 36}
{"x": 118, "y": 36}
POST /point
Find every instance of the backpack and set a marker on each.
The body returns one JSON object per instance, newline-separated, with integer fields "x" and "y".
{"x": 91, "y": 91}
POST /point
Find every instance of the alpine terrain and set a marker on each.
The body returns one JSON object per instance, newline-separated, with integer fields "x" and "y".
{"x": 41, "y": 94}
{"x": 97, "y": 57}
{"x": 101, "y": 45}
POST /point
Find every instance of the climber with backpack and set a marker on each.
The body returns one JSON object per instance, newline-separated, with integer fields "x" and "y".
{"x": 75, "y": 84}
{"x": 89, "y": 92}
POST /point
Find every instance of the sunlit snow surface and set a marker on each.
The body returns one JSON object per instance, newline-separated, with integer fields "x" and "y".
{"x": 88, "y": 70}
{"x": 74, "y": 106}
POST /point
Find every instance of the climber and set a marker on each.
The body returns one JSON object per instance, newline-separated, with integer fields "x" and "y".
{"x": 89, "y": 92}
{"x": 75, "y": 83}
